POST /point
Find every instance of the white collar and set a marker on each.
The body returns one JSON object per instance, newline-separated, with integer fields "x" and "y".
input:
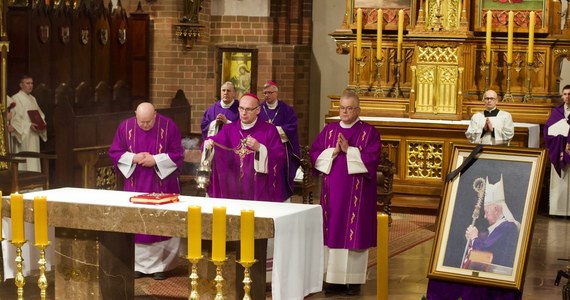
{"x": 224, "y": 105}
{"x": 348, "y": 125}
{"x": 272, "y": 106}
{"x": 494, "y": 226}
{"x": 248, "y": 126}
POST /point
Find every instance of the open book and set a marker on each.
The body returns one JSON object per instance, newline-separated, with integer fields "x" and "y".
{"x": 154, "y": 198}
{"x": 37, "y": 119}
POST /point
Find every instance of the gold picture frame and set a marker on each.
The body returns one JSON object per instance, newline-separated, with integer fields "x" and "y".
{"x": 238, "y": 66}
{"x": 490, "y": 259}
{"x": 500, "y": 10}
{"x": 389, "y": 10}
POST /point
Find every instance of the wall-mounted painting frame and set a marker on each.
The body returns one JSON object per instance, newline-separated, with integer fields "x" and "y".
{"x": 521, "y": 8}
{"x": 473, "y": 200}
{"x": 238, "y": 66}
{"x": 389, "y": 10}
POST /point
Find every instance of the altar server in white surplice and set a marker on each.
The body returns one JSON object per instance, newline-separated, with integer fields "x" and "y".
{"x": 556, "y": 135}
{"x": 491, "y": 126}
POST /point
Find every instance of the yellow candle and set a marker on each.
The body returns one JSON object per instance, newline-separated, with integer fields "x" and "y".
{"x": 359, "y": 33}
{"x": 40, "y": 220}
{"x": 382, "y": 250}
{"x": 510, "y": 37}
{"x": 379, "y": 35}
{"x": 219, "y": 234}
{"x": 17, "y": 216}
{"x": 194, "y": 232}
{"x": 400, "y": 34}
{"x": 488, "y": 37}
{"x": 531, "y": 21}
{"x": 246, "y": 235}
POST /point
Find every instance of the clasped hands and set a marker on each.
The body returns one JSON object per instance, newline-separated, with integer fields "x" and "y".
{"x": 341, "y": 144}
{"x": 144, "y": 159}
{"x": 488, "y": 125}
{"x": 222, "y": 118}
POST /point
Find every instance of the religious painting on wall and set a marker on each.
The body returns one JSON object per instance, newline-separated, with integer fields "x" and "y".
{"x": 487, "y": 215}
{"x": 389, "y": 11}
{"x": 239, "y": 66}
{"x": 521, "y": 8}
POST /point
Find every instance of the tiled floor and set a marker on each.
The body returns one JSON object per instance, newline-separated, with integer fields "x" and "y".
{"x": 407, "y": 271}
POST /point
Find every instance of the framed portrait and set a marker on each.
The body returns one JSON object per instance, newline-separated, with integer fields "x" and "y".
{"x": 238, "y": 66}
{"x": 521, "y": 8}
{"x": 486, "y": 216}
{"x": 389, "y": 10}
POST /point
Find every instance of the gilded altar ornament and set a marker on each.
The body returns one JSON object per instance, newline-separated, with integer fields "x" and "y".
{"x": 247, "y": 278}
{"x": 189, "y": 27}
{"x": 360, "y": 63}
{"x": 194, "y": 293}
{"x": 19, "y": 280}
{"x": 219, "y": 279}
{"x": 42, "y": 280}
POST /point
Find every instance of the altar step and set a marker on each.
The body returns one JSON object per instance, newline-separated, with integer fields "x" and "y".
{"x": 415, "y": 204}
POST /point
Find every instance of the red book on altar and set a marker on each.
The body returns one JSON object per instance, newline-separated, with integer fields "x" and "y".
{"x": 154, "y": 198}
{"x": 36, "y": 118}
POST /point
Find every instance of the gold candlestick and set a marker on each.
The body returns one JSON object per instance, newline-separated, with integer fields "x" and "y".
{"x": 42, "y": 280}
{"x": 247, "y": 278}
{"x": 397, "y": 92}
{"x": 508, "y": 97}
{"x": 19, "y": 280}
{"x": 360, "y": 63}
{"x": 194, "y": 294}
{"x": 529, "y": 68}
{"x": 219, "y": 279}
{"x": 378, "y": 91}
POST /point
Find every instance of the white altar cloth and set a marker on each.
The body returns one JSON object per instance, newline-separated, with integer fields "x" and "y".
{"x": 298, "y": 260}
{"x": 533, "y": 129}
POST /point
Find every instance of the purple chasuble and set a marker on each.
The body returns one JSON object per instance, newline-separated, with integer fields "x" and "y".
{"x": 285, "y": 116}
{"x": 349, "y": 200}
{"x": 502, "y": 242}
{"x": 556, "y": 145}
{"x": 210, "y": 114}
{"x": 233, "y": 173}
{"x": 164, "y": 137}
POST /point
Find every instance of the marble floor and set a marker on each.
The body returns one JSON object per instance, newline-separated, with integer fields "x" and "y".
{"x": 407, "y": 271}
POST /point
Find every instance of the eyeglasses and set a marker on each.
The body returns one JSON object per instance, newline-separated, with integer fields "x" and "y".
{"x": 347, "y": 108}
{"x": 247, "y": 109}
{"x": 268, "y": 92}
{"x": 489, "y": 98}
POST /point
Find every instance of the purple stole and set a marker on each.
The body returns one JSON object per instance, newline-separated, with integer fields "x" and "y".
{"x": 349, "y": 200}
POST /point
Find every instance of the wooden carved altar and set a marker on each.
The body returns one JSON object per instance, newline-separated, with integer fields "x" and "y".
{"x": 444, "y": 70}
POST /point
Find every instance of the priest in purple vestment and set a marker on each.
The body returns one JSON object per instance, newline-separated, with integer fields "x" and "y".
{"x": 347, "y": 154}
{"x": 222, "y": 112}
{"x": 556, "y": 138}
{"x": 283, "y": 116}
{"x": 147, "y": 151}
{"x": 248, "y": 157}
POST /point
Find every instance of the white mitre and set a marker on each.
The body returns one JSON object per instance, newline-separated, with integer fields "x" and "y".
{"x": 495, "y": 194}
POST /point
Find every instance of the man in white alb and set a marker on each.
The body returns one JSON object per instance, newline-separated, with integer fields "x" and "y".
{"x": 491, "y": 126}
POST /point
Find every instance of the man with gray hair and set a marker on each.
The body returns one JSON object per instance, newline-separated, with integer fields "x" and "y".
{"x": 501, "y": 237}
{"x": 222, "y": 112}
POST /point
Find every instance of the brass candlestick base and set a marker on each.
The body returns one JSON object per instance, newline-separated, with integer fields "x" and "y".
{"x": 397, "y": 92}
{"x": 42, "y": 280}
{"x": 360, "y": 63}
{"x": 529, "y": 68}
{"x": 508, "y": 97}
{"x": 247, "y": 278}
{"x": 194, "y": 294}
{"x": 219, "y": 279}
{"x": 378, "y": 91}
{"x": 485, "y": 68}
{"x": 19, "y": 280}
